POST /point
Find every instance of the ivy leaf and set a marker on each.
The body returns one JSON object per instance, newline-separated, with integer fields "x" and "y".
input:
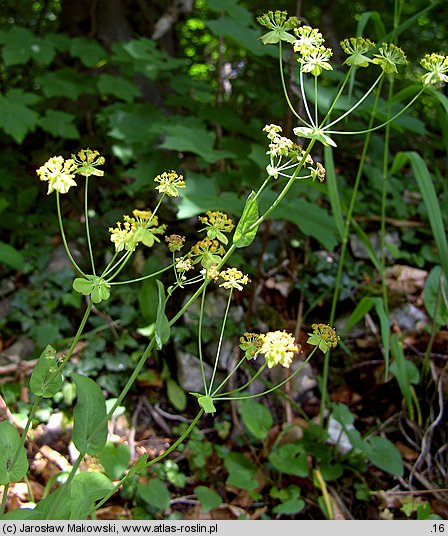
{"x": 46, "y": 379}
{"x": 242, "y": 236}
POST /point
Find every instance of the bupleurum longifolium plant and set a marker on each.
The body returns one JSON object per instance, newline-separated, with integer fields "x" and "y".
{"x": 198, "y": 265}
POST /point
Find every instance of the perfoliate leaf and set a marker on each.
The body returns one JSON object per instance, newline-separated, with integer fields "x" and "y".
{"x": 242, "y": 236}
{"x": 89, "y": 416}
{"x": 46, "y": 379}
{"x": 206, "y": 402}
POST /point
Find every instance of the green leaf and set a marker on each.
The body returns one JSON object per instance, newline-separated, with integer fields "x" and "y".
{"x": 9, "y": 444}
{"x": 290, "y": 459}
{"x": 118, "y": 87}
{"x": 405, "y": 372}
{"x": 385, "y": 455}
{"x": 163, "y": 330}
{"x": 332, "y": 188}
{"x": 206, "y": 402}
{"x": 63, "y": 83}
{"x": 139, "y": 466}
{"x": 289, "y": 507}
{"x": 17, "y": 119}
{"x": 433, "y": 296}
{"x": 115, "y": 458}
{"x": 176, "y": 395}
{"x": 83, "y": 286}
{"x": 241, "y": 471}
{"x": 10, "y": 256}
{"x": 46, "y": 379}
{"x": 96, "y": 485}
{"x": 314, "y": 134}
{"x": 243, "y": 237}
{"x": 155, "y": 493}
{"x": 79, "y": 501}
{"x": 208, "y": 498}
{"x": 59, "y": 124}
{"x": 89, "y": 416}
{"x": 89, "y": 51}
{"x": 256, "y": 417}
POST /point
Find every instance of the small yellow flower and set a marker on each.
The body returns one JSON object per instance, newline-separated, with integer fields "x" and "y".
{"x": 210, "y": 273}
{"x": 59, "y": 173}
{"x": 233, "y": 278}
{"x": 183, "y": 264}
{"x": 175, "y": 242}
{"x": 388, "y": 57}
{"x": 122, "y": 237}
{"x": 169, "y": 181}
{"x": 278, "y": 348}
{"x": 207, "y": 252}
{"x": 217, "y": 223}
{"x": 437, "y": 65}
{"x": 250, "y": 343}
{"x": 88, "y": 161}
{"x": 323, "y": 336}
{"x": 315, "y": 60}
{"x": 307, "y": 40}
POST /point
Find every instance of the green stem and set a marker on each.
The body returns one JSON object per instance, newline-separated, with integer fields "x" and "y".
{"x": 262, "y": 187}
{"x": 252, "y": 379}
{"x": 337, "y": 286}
{"x": 143, "y": 277}
{"x": 77, "y": 335}
{"x": 350, "y": 110}
{"x": 221, "y": 335}
{"x": 72, "y": 474}
{"x": 201, "y": 359}
{"x": 285, "y": 91}
{"x": 289, "y": 378}
{"x": 316, "y": 108}
{"x": 372, "y": 129}
{"x": 305, "y": 102}
{"x": 64, "y": 240}
{"x": 155, "y": 460}
{"x": 86, "y": 216}
{"x": 5, "y": 496}
{"x": 338, "y": 95}
{"x": 112, "y": 266}
{"x": 125, "y": 260}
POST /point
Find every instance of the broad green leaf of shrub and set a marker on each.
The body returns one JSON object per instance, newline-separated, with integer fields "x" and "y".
{"x": 9, "y": 443}
{"x": 89, "y": 416}
{"x": 132, "y": 123}
{"x": 208, "y": 498}
{"x": 176, "y": 395}
{"x": 17, "y": 119}
{"x": 46, "y": 379}
{"x": 89, "y": 51}
{"x": 64, "y": 83}
{"x": 21, "y": 45}
{"x": 256, "y": 417}
{"x": 163, "y": 330}
{"x": 59, "y": 124}
{"x": 115, "y": 458}
{"x": 118, "y": 87}
{"x": 433, "y": 296}
{"x": 11, "y": 256}
{"x": 155, "y": 493}
{"x": 290, "y": 459}
{"x": 243, "y": 237}
{"x": 193, "y": 139}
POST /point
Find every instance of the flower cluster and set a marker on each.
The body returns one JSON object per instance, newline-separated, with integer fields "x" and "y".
{"x": 282, "y": 148}
{"x": 307, "y": 40}
{"x": 59, "y": 173}
{"x": 88, "y": 162}
{"x": 250, "y": 343}
{"x": 175, "y": 242}
{"x": 278, "y": 347}
{"x": 216, "y": 223}
{"x": 233, "y": 278}
{"x": 388, "y": 57}
{"x": 314, "y": 57}
{"x": 143, "y": 227}
{"x": 323, "y": 336}
{"x": 279, "y": 24}
{"x": 356, "y": 48}
{"x": 437, "y": 65}
{"x": 207, "y": 252}
{"x": 169, "y": 183}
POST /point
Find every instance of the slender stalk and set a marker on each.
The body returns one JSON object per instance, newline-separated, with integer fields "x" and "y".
{"x": 246, "y": 397}
{"x": 285, "y": 91}
{"x": 77, "y": 335}
{"x": 337, "y": 285}
{"x": 86, "y": 216}
{"x": 154, "y": 460}
{"x": 339, "y": 93}
{"x": 64, "y": 240}
{"x": 111, "y": 266}
{"x": 124, "y": 260}
{"x": 143, "y": 277}
{"x": 305, "y": 102}
{"x": 221, "y": 335}
{"x": 201, "y": 359}
{"x": 316, "y": 108}
{"x": 372, "y": 129}
{"x": 4, "y": 498}
{"x": 242, "y": 387}
{"x": 350, "y": 110}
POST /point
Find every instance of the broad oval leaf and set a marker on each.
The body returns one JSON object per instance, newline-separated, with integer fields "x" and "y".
{"x": 46, "y": 380}
{"x": 9, "y": 445}
{"x": 256, "y": 417}
{"x": 89, "y": 416}
{"x": 290, "y": 459}
{"x": 242, "y": 236}
{"x": 83, "y": 286}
